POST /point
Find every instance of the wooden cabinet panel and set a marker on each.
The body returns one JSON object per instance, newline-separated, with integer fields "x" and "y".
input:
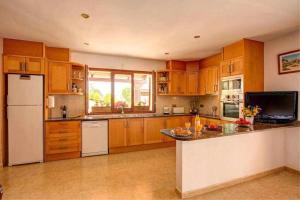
{"x": 35, "y": 65}
{"x": 233, "y": 50}
{"x": 152, "y": 127}
{"x": 63, "y": 140}
{"x": 202, "y": 81}
{"x": 212, "y": 83}
{"x": 59, "y": 77}
{"x": 135, "y": 131}
{"x": 14, "y": 64}
{"x": 178, "y": 82}
{"x": 117, "y": 133}
{"x": 236, "y": 66}
{"x": 192, "y": 82}
{"x": 225, "y": 68}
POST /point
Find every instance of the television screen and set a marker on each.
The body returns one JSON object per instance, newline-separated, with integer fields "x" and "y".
{"x": 277, "y": 107}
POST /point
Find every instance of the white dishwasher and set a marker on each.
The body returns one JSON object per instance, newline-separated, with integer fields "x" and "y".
{"x": 94, "y": 138}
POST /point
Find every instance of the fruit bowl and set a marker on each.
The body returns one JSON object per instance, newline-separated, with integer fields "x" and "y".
{"x": 243, "y": 123}
{"x": 182, "y": 132}
{"x": 213, "y": 127}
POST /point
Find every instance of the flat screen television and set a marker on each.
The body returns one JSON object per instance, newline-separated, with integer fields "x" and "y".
{"x": 276, "y": 107}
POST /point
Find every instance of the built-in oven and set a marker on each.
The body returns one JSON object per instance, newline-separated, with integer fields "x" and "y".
{"x": 232, "y": 97}
{"x": 231, "y": 110}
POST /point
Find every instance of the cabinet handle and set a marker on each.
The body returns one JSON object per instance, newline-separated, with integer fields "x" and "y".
{"x": 229, "y": 68}
{"x": 25, "y": 64}
{"x": 22, "y": 64}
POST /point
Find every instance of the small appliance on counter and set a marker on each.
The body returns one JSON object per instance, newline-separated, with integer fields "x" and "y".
{"x": 167, "y": 110}
{"x": 178, "y": 110}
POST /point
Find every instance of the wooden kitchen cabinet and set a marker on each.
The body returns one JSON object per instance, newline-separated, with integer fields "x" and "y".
{"x": 152, "y": 127}
{"x": 178, "y": 82}
{"x": 209, "y": 80}
{"x": 202, "y": 81}
{"x": 23, "y": 64}
{"x": 212, "y": 81}
{"x": 59, "y": 77}
{"x": 192, "y": 82}
{"x": 117, "y": 133}
{"x": 225, "y": 68}
{"x": 63, "y": 140}
{"x": 236, "y": 66}
{"x": 135, "y": 131}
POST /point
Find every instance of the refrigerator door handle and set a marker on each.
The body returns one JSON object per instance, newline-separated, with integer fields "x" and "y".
{"x": 25, "y": 77}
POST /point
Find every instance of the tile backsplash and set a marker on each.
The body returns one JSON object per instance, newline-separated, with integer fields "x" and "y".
{"x": 76, "y": 104}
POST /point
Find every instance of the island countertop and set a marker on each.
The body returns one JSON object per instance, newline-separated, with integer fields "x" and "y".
{"x": 228, "y": 129}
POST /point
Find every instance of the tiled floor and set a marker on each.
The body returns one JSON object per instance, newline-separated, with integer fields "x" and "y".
{"x": 137, "y": 175}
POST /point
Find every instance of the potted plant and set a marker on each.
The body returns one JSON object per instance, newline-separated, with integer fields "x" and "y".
{"x": 250, "y": 112}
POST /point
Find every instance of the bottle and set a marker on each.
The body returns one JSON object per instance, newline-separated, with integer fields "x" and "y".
{"x": 64, "y": 111}
{"x": 198, "y": 126}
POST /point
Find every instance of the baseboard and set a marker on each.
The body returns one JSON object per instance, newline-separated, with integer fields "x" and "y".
{"x": 141, "y": 147}
{"x": 294, "y": 171}
{"x": 229, "y": 183}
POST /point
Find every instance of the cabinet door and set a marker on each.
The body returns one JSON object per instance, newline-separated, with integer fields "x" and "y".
{"x": 34, "y": 65}
{"x": 59, "y": 77}
{"x": 212, "y": 83}
{"x": 15, "y": 64}
{"x": 178, "y": 82}
{"x": 237, "y": 66}
{"x": 192, "y": 82}
{"x": 225, "y": 68}
{"x": 117, "y": 133}
{"x": 152, "y": 127}
{"x": 202, "y": 81}
{"x": 135, "y": 131}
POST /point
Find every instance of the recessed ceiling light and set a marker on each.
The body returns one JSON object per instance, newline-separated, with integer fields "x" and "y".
{"x": 197, "y": 36}
{"x": 86, "y": 43}
{"x": 85, "y": 15}
{"x": 167, "y": 53}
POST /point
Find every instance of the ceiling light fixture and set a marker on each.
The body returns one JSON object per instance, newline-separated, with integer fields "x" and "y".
{"x": 85, "y": 15}
{"x": 86, "y": 43}
{"x": 167, "y": 53}
{"x": 197, "y": 36}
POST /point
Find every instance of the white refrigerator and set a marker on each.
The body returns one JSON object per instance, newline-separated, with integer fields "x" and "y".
{"x": 25, "y": 119}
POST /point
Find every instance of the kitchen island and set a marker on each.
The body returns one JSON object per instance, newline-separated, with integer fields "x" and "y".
{"x": 218, "y": 159}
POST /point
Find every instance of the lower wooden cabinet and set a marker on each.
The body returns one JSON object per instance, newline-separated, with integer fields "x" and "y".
{"x": 135, "y": 131}
{"x": 152, "y": 127}
{"x": 117, "y": 133}
{"x": 62, "y": 140}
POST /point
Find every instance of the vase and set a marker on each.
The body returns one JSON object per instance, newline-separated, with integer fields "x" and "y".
{"x": 250, "y": 119}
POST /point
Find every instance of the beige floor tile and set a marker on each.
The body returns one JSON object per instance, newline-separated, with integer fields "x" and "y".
{"x": 144, "y": 175}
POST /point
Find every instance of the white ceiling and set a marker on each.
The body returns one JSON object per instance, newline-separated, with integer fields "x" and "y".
{"x": 147, "y": 28}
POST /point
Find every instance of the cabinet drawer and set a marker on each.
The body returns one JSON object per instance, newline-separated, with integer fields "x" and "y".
{"x": 60, "y": 127}
{"x": 63, "y": 137}
{"x": 54, "y": 147}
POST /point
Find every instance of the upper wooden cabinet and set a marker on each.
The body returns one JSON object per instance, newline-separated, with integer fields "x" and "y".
{"x": 209, "y": 81}
{"x": 58, "y": 54}
{"x": 245, "y": 57}
{"x": 178, "y": 82}
{"x": 23, "y": 64}
{"x": 232, "y": 67}
{"x": 59, "y": 77}
{"x": 176, "y": 65}
{"x": 212, "y": 81}
{"x": 192, "y": 82}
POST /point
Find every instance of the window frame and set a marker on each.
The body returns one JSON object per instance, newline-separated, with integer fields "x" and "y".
{"x": 133, "y": 109}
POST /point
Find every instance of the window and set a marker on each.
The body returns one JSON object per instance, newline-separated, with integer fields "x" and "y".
{"x": 112, "y": 90}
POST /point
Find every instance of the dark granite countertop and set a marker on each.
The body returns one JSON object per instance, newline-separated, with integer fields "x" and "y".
{"x": 228, "y": 129}
{"x": 120, "y": 116}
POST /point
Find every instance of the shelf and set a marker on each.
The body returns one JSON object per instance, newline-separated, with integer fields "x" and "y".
{"x": 78, "y": 79}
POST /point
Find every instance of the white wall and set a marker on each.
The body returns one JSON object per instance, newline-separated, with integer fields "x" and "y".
{"x": 117, "y": 62}
{"x": 292, "y": 148}
{"x": 274, "y": 81}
